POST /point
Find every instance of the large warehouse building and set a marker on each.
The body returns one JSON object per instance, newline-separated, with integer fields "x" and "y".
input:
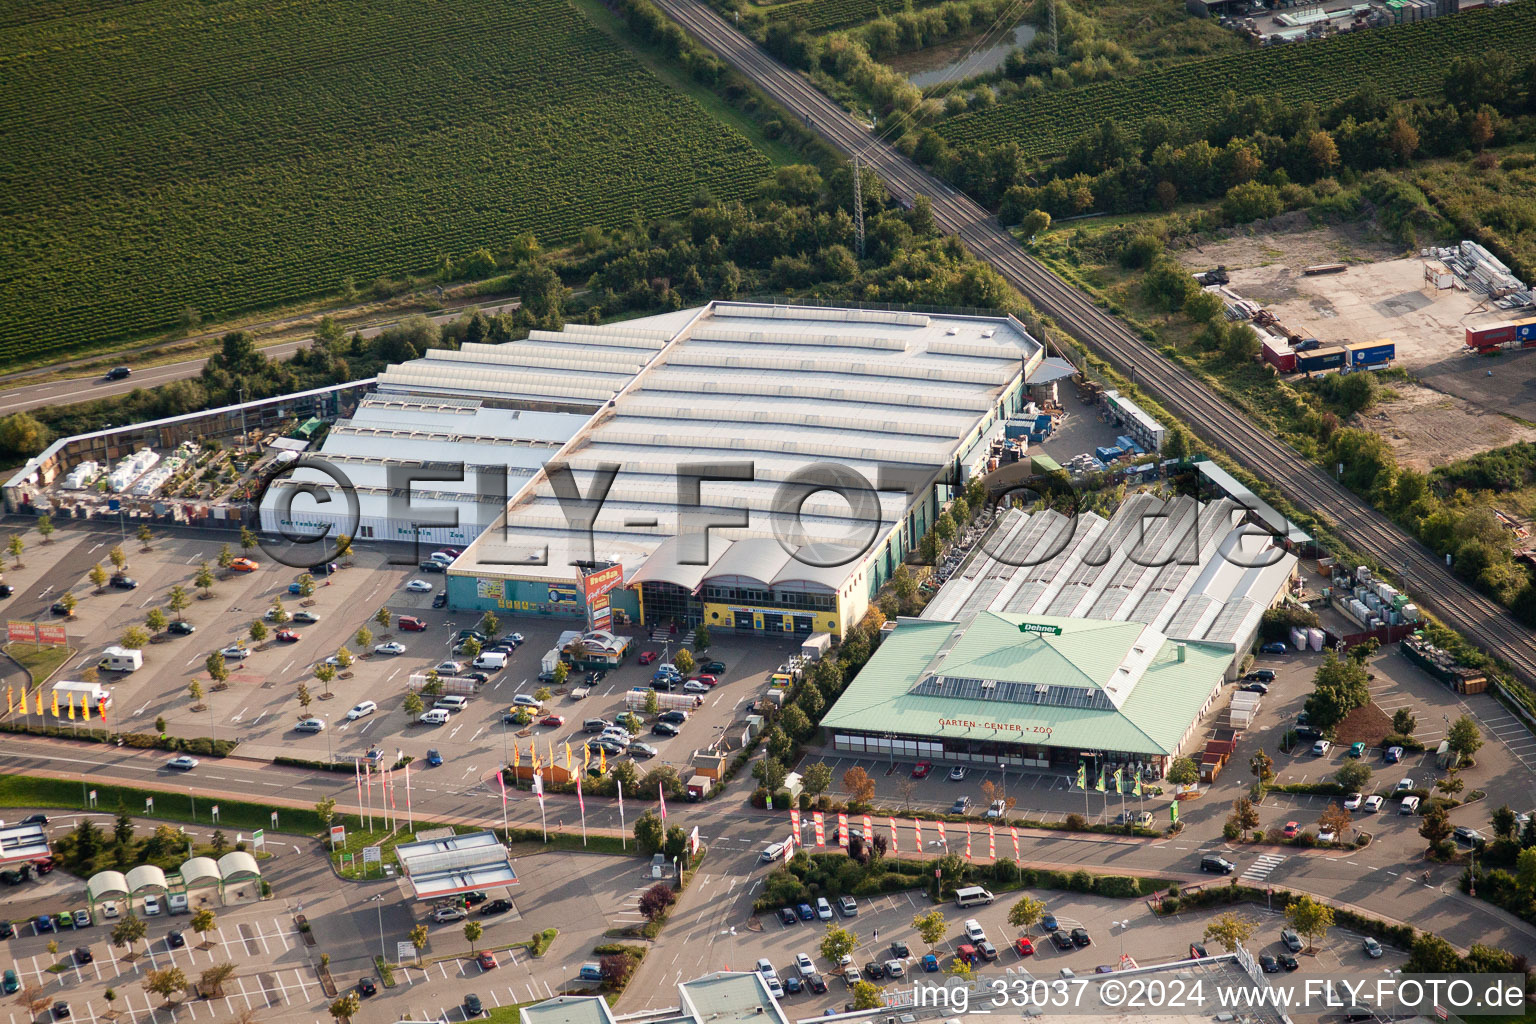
{"x": 709, "y": 424}
{"x": 1071, "y": 639}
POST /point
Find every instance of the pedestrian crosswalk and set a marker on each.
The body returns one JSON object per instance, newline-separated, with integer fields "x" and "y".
{"x": 1260, "y": 869}
{"x": 663, "y": 634}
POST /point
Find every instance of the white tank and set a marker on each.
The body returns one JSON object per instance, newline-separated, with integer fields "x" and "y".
{"x": 1316, "y": 636}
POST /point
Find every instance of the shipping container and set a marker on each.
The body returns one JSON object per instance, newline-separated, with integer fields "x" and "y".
{"x": 1490, "y": 336}
{"x": 1367, "y": 353}
{"x": 1525, "y": 330}
{"x": 1331, "y": 358}
{"x": 1281, "y": 357}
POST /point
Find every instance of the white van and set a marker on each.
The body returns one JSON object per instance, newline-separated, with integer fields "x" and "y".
{"x": 973, "y": 895}
{"x": 450, "y": 703}
{"x": 121, "y": 659}
{"x": 974, "y": 931}
{"x": 495, "y": 661}
{"x": 176, "y": 902}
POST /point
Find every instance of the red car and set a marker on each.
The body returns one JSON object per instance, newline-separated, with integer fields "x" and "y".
{"x": 1023, "y": 946}
{"x": 287, "y": 636}
{"x": 1291, "y": 828}
{"x": 411, "y": 624}
{"x": 42, "y": 867}
{"x": 921, "y": 769}
{"x": 551, "y": 720}
{"x": 485, "y": 959}
{"x": 708, "y": 680}
{"x": 646, "y": 657}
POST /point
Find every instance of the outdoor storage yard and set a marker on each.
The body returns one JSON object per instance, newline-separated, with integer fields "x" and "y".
{"x": 1454, "y": 408}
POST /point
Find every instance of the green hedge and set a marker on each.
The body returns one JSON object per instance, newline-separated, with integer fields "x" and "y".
{"x": 31, "y": 791}
{"x": 321, "y": 766}
{"x": 1317, "y": 788}
{"x": 200, "y": 745}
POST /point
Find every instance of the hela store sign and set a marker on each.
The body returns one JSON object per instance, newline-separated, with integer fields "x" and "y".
{"x": 1037, "y": 627}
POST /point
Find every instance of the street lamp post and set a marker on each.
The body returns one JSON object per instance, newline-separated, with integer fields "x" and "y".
{"x": 330, "y": 753}
{"x": 379, "y": 900}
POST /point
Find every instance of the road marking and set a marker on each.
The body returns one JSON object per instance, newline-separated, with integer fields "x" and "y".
{"x": 241, "y": 714}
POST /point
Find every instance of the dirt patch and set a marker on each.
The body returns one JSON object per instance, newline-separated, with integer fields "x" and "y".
{"x": 1290, "y": 242}
{"x": 1426, "y": 427}
{"x": 1366, "y": 725}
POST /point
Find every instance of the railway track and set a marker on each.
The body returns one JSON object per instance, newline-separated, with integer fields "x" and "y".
{"x": 1433, "y": 586}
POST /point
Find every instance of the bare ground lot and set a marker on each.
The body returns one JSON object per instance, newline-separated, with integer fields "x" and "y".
{"x": 1460, "y": 408}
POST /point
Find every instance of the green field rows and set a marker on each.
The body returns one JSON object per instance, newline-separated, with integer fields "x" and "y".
{"x": 1402, "y": 61}
{"x": 822, "y": 15}
{"x": 228, "y": 154}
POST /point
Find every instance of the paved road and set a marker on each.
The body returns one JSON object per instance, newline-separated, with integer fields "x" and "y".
{"x": 1372, "y": 879}
{"x": 1433, "y": 585}
{"x": 82, "y": 389}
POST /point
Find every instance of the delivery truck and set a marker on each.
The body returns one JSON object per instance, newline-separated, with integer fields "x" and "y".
{"x": 96, "y": 695}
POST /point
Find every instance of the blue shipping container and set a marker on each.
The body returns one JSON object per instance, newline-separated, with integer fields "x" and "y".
{"x": 1320, "y": 359}
{"x": 1125, "y": 442}
{"x": 1108, "y": 454}
{"x": 1043, "y": 424}
{"x": 1526, "y": 330}
{"x": 1015, "y": 429}
{"x": 1374, "y": 354}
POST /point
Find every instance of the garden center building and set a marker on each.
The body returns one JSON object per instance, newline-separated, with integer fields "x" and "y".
{"x": 1068, "y": 640}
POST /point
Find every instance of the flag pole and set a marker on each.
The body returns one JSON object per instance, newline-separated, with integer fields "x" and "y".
{"x": 623, "y": 841}
{"x": 410, "y": 819}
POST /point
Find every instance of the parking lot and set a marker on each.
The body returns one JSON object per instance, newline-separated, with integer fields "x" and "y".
{"x": 1116, "y": 929}
{"x": 260, "y": 705}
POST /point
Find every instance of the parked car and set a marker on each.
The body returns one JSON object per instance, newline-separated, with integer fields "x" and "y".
{"x": 1352, "y": 802}
{"x": 960, "y": 806}
{"x": 436, "y": 716}
{"x": 1080, "y": 937}
{"x": 473, "y": 1007}
{"x": 1468, "y": 836}
{"x": 1292, "y": 829}
{"x": 1269, "y": 964}
{"x": 665, "y": 729}
{"x": 554, "y": 720}
{"x": 1289, "y": 962}
{"x": 121, "y": 582}
{"x": 921, "y": 769}
{"x": 181, "y": 627}
{"x": 445, "y": 915}
{"x": 1393, "y": 755}
{"x": 307, "y": 617}
{"x": 694, "y": 686}
{"x": 646, "y": 657}
{"x": 234, "y": 652}
{"x": 366, "y": 987}
{"x": 1273, "y": 647}
{"x": 957, "y": 774}
{"x": 714, "y": 668}
{"x": 816, "y": 983}
{"x": 411, "y": 624}
{"x": 449, "y": 667}
{"x": 1372, "y": 948}
{"x": 1321, "y": 748}
{"x": 495, "y": 907}
{"x": 849, "y": 907}
{"x": 310, "y": 725}
{"x": 1372, "y": 804}
{"x": 525, "y": 700}
{"x": 434, "y": 758}
{"x": 996, "y": 809}
{"x": 875, "y": 970}
{"x": 1255, "y": 687}
{"x": 675, "y": 716}
{"x": 823, "y": 908}
{"x": 9, "y": 982}
{"x": 1023, "y": 946}
{"x": 806, "y": 912}
{"x": 287, "y": 636}
{"x": 391, "y": 647}
{"x": 1403, "y": 786}
{"x": 440, "y": 599}
{"x": 1197, "y": 951}
{"x": 1356, "y": 749}
{"x": 151, "y": 906}
{"x": 419, "y": 587}
{"x": 1290, "y": 940}
{"x": 1262, "y": 675}
{"x": 641, "y": 751}
{"x": 1062, "y": 941}
{"x": 787, "y": 915}
{"x": 486, "y": 959}
{"x": 175, "y": 940}
{"x": 1048, "y": 922}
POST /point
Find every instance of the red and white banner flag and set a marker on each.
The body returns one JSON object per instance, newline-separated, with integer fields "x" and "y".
{"x": 917, "y": 831}
{"x": 357, "y": 777}
{"x": 794, "y": 822}
{"x": 538, "y": 788}
{"x": 392, "y": 804}
{"x": 662, "y": 796}
{"x": 842, "y": 829}
{"x": 967, "y": 841}
{"x": 581, "y": 801}
{"x": 789, "y": 848}
{"x": 894, "y": 846}
{"x": 1015, "y": 841}
{"x": 411, "y": 818}
{"x": 943, "y": 836}
{"x": 820, "y": 823}
{"x": 500, "y": 777}
{"x": 992, "y": 842}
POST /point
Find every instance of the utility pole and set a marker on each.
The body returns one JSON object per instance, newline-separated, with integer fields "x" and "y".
{"x": 858, "y": 207}
{"x": 245, "y": 438}
{"x": 1051, "y": 16}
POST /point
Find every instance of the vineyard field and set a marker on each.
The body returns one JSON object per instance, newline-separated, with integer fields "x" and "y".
{"x": 1401, "y": 60}
{"x": 224, "y": 155}
{"x": 825, "y": 15}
